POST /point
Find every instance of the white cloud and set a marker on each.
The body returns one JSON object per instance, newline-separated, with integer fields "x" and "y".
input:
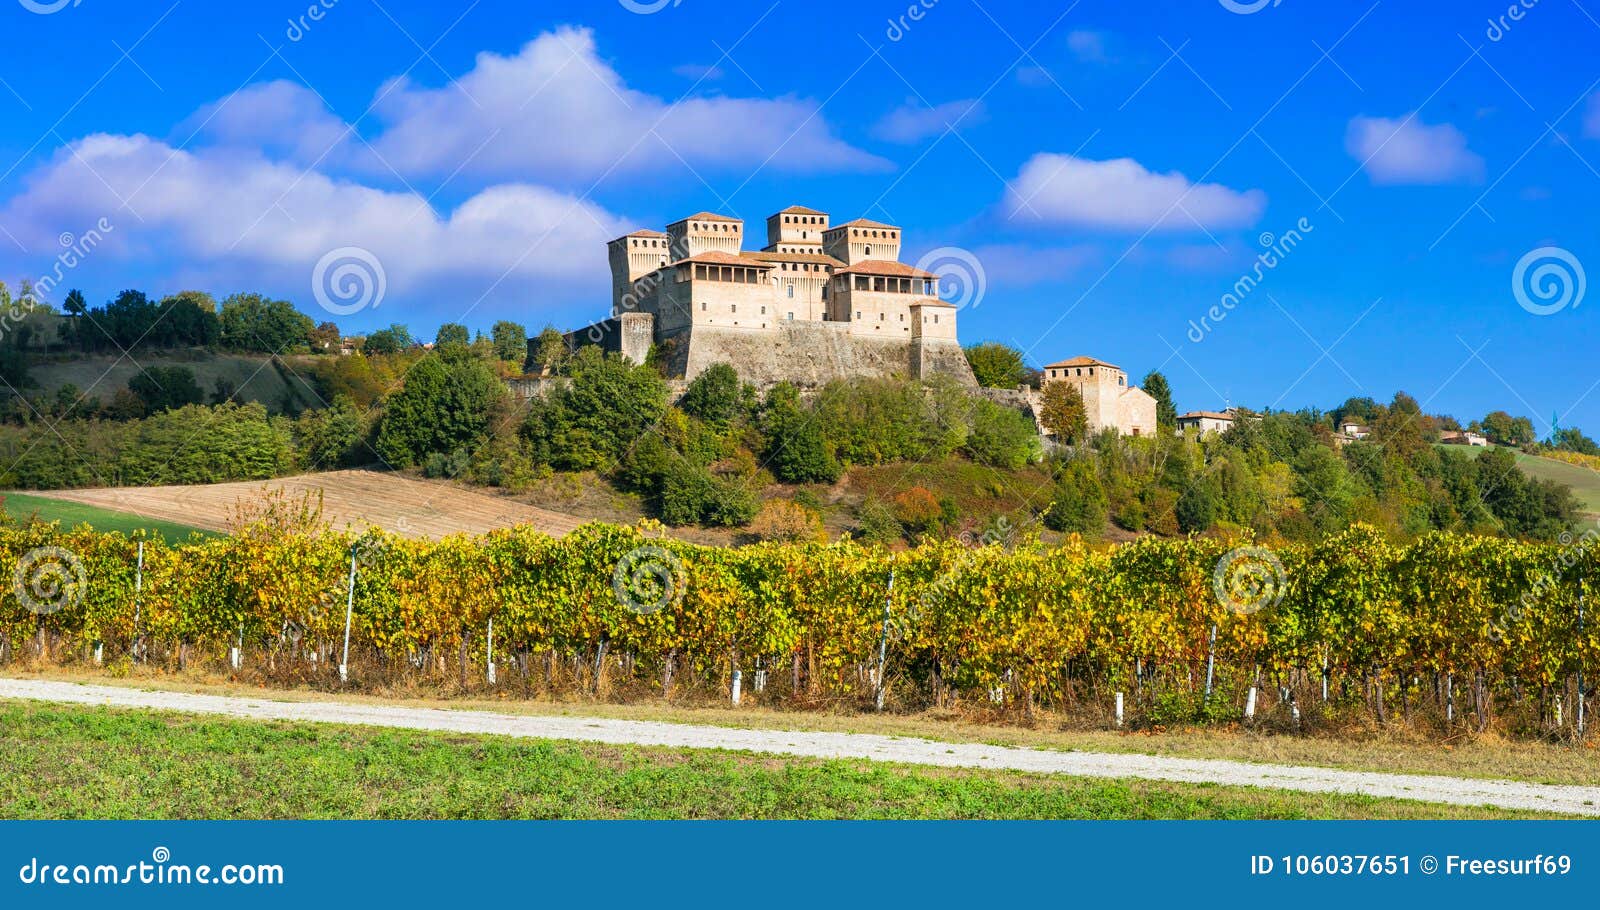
{"x": 244, "y": 215}
{"x": 699, "y": 72}
{"x": 280, "y": 118}
{"x": 556, "y": 109}
{"x": 912, "y": 122}
{"x": 1591, "y": 117}
{"x": 1055, "y": 189}
{"x": 1088, "y": 46}
{"x": 1408, "y": 151}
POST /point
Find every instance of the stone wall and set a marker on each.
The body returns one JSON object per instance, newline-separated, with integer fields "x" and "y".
{"x": 812, "y": 354}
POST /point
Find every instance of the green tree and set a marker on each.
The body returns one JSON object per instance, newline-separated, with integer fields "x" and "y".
{"x": 715, "y": 396}
{"x": 252, "y": 322}
{"x": 591, "y": 420}
{"x": 549, "y": 354}
{"x": 392, "y": 340}
{"x": 165, "y": 388}
{"x": 1156, "y": 386}
{"x": 1078, "y": 502}
{"x": 510, "y": 341}
{"x": 1001, "y": 437}
{"x": 1197, "y": 505}
{"x": 1062, "y": 412}
{"x": 452, "y": 333}
{"x": 445, "y": 406}
{"x": 795, "y": 450}
{"x": 996, "y": 365}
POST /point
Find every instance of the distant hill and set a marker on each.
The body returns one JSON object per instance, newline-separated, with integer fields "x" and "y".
{"x": 253, "y": 376}
{"x": 1585, "y": 483}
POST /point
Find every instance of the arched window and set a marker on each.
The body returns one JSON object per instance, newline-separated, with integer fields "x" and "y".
{"x": 869, "y": 249}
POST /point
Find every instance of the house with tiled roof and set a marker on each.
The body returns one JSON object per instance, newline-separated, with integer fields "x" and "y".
{"x": 1109, "y": 400}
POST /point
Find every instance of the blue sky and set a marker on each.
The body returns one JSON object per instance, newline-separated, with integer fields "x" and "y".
{"x": 1111, "y": 171}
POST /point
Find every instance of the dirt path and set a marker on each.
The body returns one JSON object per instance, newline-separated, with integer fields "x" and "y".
{"x": 399, "y": 504}
{"x": 1570, "y": 800}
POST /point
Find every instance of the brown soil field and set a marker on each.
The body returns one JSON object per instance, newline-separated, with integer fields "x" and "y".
{"x": 350, "y": 499}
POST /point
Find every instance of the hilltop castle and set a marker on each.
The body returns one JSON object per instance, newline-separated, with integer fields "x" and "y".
{"x": 818, "y": 302}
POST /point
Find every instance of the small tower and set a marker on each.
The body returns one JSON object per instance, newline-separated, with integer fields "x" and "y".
{"x": 862, "y": 239}
{"x": 796, "y": 229}
{"x": 632, "y": 257}
{"x": 705, "y": 233}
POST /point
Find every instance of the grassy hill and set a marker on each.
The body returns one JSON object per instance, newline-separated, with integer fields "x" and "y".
{"x": 254, "y": 377}
{"x": 1585, "y": 483}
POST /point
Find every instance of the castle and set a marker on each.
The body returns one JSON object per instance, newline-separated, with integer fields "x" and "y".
{"x": 818, "y": 302}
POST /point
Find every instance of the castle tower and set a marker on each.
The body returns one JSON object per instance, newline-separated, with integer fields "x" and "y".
{"x": 796, "y": 229}
{"x": 862, "y": 239}
{"x": 705, "y": 233}
{"x": 632, "y": 257}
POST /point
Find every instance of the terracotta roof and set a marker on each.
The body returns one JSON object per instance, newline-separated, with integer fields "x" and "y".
{"x": 793, "y": 257}
{"x": 717, "y": 257}
{"x": 1081, "y": 362}
{"x": 885, "y": 267}
{"x": 705, "y": 216}
{"x": 863, "y": 222}
{"x": 642, "y": 232}
{"x": 1212, "y": 415}
{"x": 933, "y": 301}
{"x": 799, "y": 210}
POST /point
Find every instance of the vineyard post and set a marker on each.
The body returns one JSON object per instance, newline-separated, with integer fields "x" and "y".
{"x": 1580, "y": 717}
{"x": 1211, "y": 660}
{"x": 138, "y": 588}
{"x": 738, "y": 683}
{"x": 349, "y": 609}
{"x": 236, "y": 653}
{"x": 488, "y": 651}
{"x": 1119, "y": 710}
{"x": 883, "y": 641}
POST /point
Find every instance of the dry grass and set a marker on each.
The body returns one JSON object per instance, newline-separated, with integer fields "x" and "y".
{"x": 1359, "y": 748}
{"x": 396, "y": 503}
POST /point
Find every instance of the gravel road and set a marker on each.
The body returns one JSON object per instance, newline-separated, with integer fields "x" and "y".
{"x": 1572, "y": 800}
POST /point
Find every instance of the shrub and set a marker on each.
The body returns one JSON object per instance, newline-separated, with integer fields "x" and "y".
{"x": 918, "y": 510}
{"x": 787, "y": 522}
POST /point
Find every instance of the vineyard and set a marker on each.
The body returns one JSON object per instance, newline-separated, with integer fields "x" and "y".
{"x": 1447, "y": 630}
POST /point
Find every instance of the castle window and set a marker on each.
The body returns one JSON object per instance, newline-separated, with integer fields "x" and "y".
{"x": 791, "y": 290}
{"x": 733, "y": 308}
{"x": 791, "y": 317}
{"x": 869, "y": 249}
{"x": 702, "y": 306}
{"x": 882, "y": 316}
{"x": 763, "y": 311}
{"x": 699, "y": 271}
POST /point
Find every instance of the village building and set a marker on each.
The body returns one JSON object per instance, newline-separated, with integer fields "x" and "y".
{"x": 1108, "y": 399}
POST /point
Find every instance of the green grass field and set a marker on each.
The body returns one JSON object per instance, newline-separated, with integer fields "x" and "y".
{"x": 22, "y": 506}
{"x": 90, "y": 762}
{"x": 1584, "y": 482}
